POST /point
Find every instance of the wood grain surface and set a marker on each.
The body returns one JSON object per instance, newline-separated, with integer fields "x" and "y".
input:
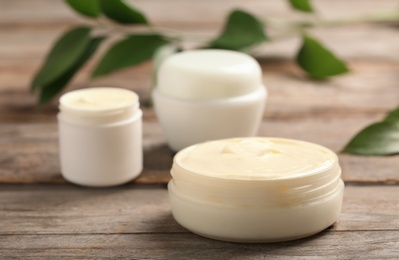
{"x": 60, "y": 209}
{"x": 43, "y": 217}
{"x": 325, "y": 245}
{"x": 133, "y": 222}
{"x": 30, "y": 151}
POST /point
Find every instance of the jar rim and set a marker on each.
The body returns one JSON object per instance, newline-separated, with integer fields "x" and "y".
{"x": 294, "y": 189}
{"x": 327, "y": 166}
{"x": 99, "y": 105}
{"x": 64, "y": 106}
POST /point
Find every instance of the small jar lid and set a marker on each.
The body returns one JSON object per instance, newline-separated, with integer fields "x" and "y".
{"x": 209, "y": 74}
{"x": 101, "y": 105}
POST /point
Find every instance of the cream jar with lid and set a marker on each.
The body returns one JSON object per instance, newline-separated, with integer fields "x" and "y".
{"x": 100, "y": 135}
{"x": 256, "y": 189}
{"x": 204, "y": 95}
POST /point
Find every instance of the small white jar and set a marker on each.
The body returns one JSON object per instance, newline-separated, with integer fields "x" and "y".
{"x": 204, "y": 95}
{"x": 256, "y": 189}
{"x": 100, "y": 135}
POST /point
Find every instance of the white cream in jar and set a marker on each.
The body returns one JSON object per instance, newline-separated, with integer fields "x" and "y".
{"x": 256, "y": 189}
{"x": 100, "y": 133}
{"x": 203, "y": 95}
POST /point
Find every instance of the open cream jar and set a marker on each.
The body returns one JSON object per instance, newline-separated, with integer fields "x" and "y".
{"x": 100, "y": 134}
{"x": 256, "y": 189}
{"x": 204, "y": 95}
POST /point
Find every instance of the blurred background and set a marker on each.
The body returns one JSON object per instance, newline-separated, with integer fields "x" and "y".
{"x": 29, "y": 28}
{"x": 329, "y": 112}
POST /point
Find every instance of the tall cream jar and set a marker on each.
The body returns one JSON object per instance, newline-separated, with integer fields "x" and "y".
{"x": 204, "y": 95}
{"x": 256, "y": 189}
{"x": 100, "y": 135}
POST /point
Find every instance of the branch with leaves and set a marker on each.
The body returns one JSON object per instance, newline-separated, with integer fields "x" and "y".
{"x": 241, "y": 32}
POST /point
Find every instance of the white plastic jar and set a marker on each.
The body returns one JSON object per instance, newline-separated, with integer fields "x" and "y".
{"x": 256, "y": 189}
{"x": 100, "y": 134}
{"x": 204, "y": 95}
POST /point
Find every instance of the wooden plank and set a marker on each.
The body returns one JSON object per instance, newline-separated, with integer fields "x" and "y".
{"x": 369, "y": 208}
{"x": 67, "y": 209}
{"x": 70, "y": 209}
{"x": 29, "y": 151}
{"x": 327, "y": 245}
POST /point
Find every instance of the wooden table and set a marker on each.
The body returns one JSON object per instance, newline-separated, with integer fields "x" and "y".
{"x": 43, "y": 216}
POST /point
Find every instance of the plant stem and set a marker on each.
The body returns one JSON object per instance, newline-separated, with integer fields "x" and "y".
{"x": 379, "y": 17}
{"x": 288, "y": 28}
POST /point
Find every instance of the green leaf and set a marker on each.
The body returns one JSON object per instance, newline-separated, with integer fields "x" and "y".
{"x": 241, "y": 31}
{"x": 319, "y": 62}
{"x": 129, "y": 52}
{"x": 302, "y": 5}
{"x": 55, "y": 87}
{"x": 120, "y": 12}
{"x": 65, "y": 53}
{"x": 377, "y": 139}
{"x": 90, "y": 8}
{"x": 393, "y": 116}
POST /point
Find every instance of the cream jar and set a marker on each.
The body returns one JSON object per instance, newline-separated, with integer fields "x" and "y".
{"x": 256, "y": 189}
{"x": 100, "y": 135}
{"x": 204, "y": 95}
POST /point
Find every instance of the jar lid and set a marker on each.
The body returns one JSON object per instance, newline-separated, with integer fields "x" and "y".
{"x": 209, "y": 74}
{"x": 98, "y": 105}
